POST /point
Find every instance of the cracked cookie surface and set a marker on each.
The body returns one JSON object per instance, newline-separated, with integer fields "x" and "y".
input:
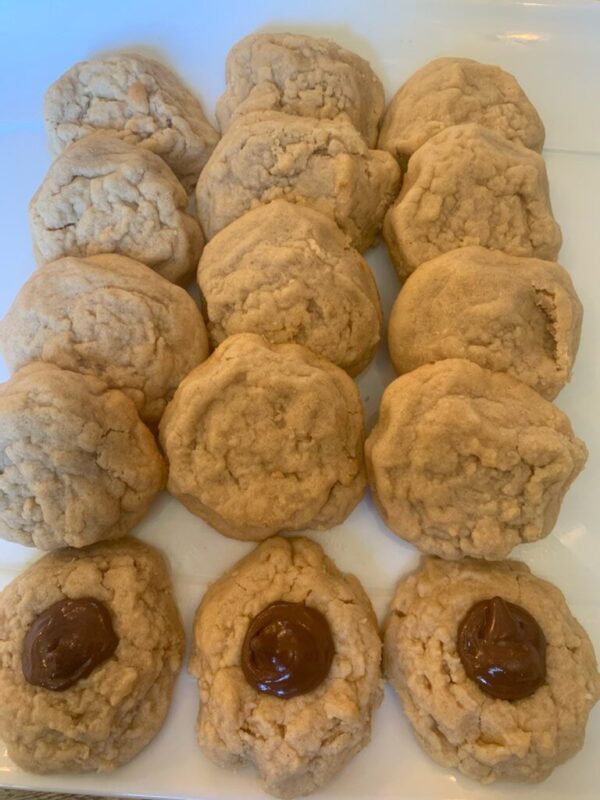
{"x": 453, "y": 91}
{"x": 454, "y": 721}
{"x": 288, "y": 273}
{"x": 505, "y": 313}
{"x": 321, "y": 163}
{"x": 76, "y": 462}
{"x": 111, "y": 317}
{"x": 105, "y": 719}
{"x": 297, "y": 744}
{"x": 136, "y": 99}
{"x": 464, "y": 461}
{"x": 470, "y": 186}
{"x": 263, "y": 438}
{"x": 303, "y": 75}
{"x": 104, "y": 195}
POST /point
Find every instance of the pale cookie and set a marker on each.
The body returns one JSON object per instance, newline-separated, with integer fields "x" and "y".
{"x": 321, "y": 163}
{"x": 263, "y": 438}
{"x": 470, "y": 186}
{"x": 464, "y": 461}
{"x": 137, "y": 99}
{"x": 458, "y": 724}
{"x": 288, "y": 273}
{"x": 297, "y": 743}
{"x": 452, "y": 91}
{"x": 505, "y": 313}
{"x": 111, "y": 317}
{"x": 106, "y": 718}
{"x": 76, "y": 463}
{"x": 103, "y": 195}
{"x": 303, "y": 75}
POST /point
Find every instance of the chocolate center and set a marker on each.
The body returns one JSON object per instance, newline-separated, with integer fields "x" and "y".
{"x": 288, "y": 649}
{"x": 503, "y": 649}
{"x": 67, "y": 642}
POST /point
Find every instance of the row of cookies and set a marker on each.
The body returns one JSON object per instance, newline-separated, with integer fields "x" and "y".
{"x": 287, "y": 655}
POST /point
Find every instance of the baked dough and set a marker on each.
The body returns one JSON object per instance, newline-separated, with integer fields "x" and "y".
{"x": 468, "y": 185}
{"x": 105, "y": 719}
{"x": 464, "y": 461}
{"x": 321, "y": 163}
{"x": 452, "y": 91}
{"x": 505, "y": 313}
{"x": 288, "y": 273}
{"x": 137, "y": 99}
{"x": 455, "y": 722}
{"x": 104, "y": 195}
{"x": 297, "y": 744}
{"x": 111, "y": 317}
{"x": 303, "y": 75}
{"x": 264, "y": 438}
{"x": 76, "y": 463}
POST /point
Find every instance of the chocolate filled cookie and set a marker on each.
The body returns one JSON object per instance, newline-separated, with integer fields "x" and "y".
{"x": 494, "y": 673}
{"x": 505, "y": 313}
{"x": 77, "y": 464}
{"x": 287, "y": 655}
{"x": 104, "y": 195}
{"x": 288, "y": 273}
{"x": 263, "y": 438}
{"x": 464, "y": 461}
{"x": 321, "y": 163}
{"x": 468, "y": 185}
{"x": 90, "y": 647}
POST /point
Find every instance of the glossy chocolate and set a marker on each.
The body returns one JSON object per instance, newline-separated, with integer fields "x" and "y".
{"x": 288, "y": 650}
{"x": 503, "y": 649}
{"x": 67, "y": 642}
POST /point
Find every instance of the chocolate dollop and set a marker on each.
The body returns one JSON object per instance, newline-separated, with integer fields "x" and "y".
{"x": 287, "y": 650}
{"x": 503, "y": 649}
{"x": 66, "y": 642}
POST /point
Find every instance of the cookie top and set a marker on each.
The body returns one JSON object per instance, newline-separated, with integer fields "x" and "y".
{"x": 288, "y": 273}
{"x": 111, "y": 317}
{"x": 76, "y": 463}
{"x": 104, "y": 195}
{"x": 137, "y": 99}
{"x": 299, "y": 743}
{"x": 262, "y": 438}
{"x": 464, "y": 461}
{"x": 321, "y": 163}
{"x": 106, "y": 718}
{"x": 505, "y": 313}
{"x": 468, "y": 185}
{"x": 457, "y": 723}
{"x": 303, "y": 75}
{"x": 453, "y": 91}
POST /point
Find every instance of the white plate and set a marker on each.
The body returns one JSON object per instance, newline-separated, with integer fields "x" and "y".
{"x": 554, "y": 51}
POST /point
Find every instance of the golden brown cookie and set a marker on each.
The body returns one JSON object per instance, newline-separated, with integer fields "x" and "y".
{"x": 264, "y": 438}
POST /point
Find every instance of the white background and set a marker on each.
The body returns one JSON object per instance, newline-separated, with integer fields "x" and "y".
{"x": 554, "y": 49}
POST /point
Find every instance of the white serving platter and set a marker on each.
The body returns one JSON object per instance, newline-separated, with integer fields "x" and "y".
{"x": 554, "y": 49}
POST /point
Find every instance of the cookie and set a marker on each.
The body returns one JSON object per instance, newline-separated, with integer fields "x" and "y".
{"x": 303, "y": 75}
{"x": 287, "y": 655}
{"x": 76, "y": 462}
{"x": 484, "y": 691}
{"x": 137, "y": 99}
{"x": 470, "y": 186}
{"x": 90, "y": 647}
{"x": 104, "y": 195}
{"x": 464, "y": 461}
{"x": 505, "y": 313}
{"x": 111, "y": 317}
{"x": 453, "y": 91}
{"x": 288, "y": 273}
{"x": 321, "y": 163}
{"x": 263, "y": 438}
